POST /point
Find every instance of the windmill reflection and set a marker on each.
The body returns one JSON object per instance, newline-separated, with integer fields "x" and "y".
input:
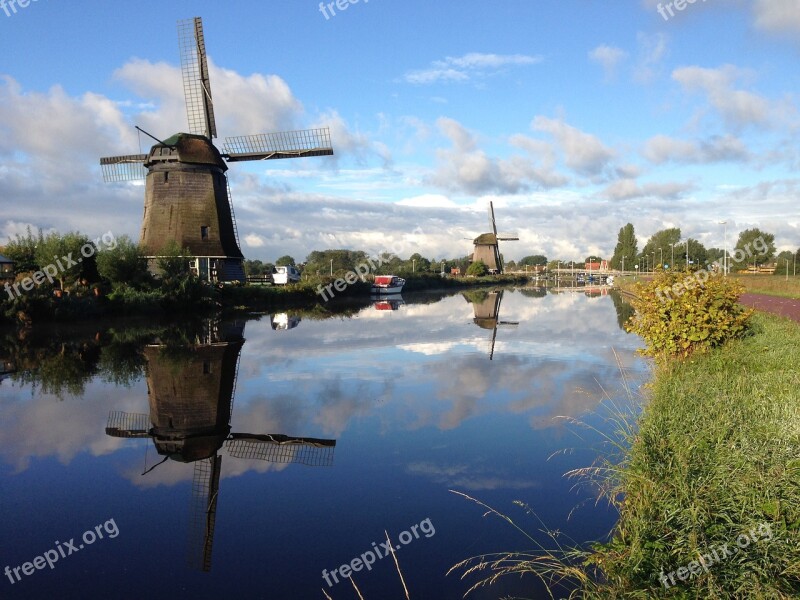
{"x": 191, "y": 389}
{"x": 283, "y": 321}
{"x": 486, "y": 306}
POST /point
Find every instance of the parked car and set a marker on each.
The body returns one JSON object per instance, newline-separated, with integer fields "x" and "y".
{"x": 285, "y": 275}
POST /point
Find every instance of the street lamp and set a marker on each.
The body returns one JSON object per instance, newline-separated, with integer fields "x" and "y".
{"x": 654, "y": 262}
{"x": 687, "y": 254}
{"x": 331, "y": 267}
{"x": 414, "y": 265}
{"x": 673, "y": 254}
{"x": 623, "y": 265}
{"x": 442, "y": 266}
{"x": 661, "y": 250}
{"x": 725, "y": 256}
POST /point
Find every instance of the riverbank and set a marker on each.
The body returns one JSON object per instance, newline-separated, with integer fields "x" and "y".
{"x": 714, "y": 458}
{"x": 42, "y": 306}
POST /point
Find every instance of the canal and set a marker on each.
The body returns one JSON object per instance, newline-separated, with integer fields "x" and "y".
{"x": 258, "y": 457}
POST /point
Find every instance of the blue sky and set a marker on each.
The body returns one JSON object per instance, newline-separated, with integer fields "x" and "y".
{"x": 574, "y": 117}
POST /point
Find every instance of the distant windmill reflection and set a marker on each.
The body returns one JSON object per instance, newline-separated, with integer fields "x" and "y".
{"x": 191, "y": 391}
{"x": 486, "y": 306}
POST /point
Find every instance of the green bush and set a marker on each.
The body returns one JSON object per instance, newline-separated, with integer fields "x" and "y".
{"x": 478, "y": 269}
{"x": 678, "y": 314}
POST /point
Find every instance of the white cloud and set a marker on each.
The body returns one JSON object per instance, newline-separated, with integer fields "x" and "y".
{"x": 661, "y": 149}
{"x": 467, "y": 67}
{"x": 738, "y": 108}
{"x": 583, "y": 152}
{"x": 777, "y": 16}
{"x": 608, "y": 57}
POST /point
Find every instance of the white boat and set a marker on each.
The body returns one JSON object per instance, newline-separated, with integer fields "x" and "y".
{"x": 388, "y": 284}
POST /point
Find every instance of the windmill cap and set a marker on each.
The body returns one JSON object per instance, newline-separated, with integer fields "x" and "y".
{"x": 190, "y": 148}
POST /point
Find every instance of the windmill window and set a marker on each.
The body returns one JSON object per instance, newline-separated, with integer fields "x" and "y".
{"x": 204, "y": 232}
{"x": 206, "y": 368}
{"x": 166, "y": 176}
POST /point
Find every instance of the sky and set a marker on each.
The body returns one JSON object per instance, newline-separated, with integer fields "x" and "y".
{"x": 574, "y": 117}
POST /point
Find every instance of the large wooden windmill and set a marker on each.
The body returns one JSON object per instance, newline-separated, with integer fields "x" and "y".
{"x": 487, "y": 246}
{"x": 187, "y": 196}
{"x": 191, "y": 392}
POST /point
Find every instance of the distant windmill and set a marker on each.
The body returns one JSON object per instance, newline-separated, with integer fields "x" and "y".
{"x": 487, "y": 246}
{"x": 191, "y": 402}
{"x": 187, "y": 195}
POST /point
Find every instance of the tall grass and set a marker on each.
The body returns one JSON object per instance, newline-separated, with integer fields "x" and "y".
{"x": 772, "y": 285}
{"x": 716, "y": 453}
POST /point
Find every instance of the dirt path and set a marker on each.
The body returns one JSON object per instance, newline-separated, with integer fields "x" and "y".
{"x": 785, "y": 307}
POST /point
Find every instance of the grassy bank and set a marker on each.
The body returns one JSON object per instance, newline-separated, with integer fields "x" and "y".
{"x": 771, "y": 285}
{"x": 716, "y": 456}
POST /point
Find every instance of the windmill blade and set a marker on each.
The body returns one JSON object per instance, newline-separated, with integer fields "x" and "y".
{"x": 196, "y": 83}
{"x": 508, "y": 237}
{"x": 278, "y": 448}
{"x": 491, "y": 218}
{"x": 203, "y": 515}
{"x": 123, "y": 168}
{"x": 285, "y": 144}
{"x": 128, "y": 425}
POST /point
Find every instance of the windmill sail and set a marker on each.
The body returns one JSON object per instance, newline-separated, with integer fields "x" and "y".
{"x": 205, "y": 489}
{"x": 284, "y": 144}
{"x": 282, "y": 449}
{"x": 196, "y": 83}
{"x": 128, "y": 425}
{"x": 123, "y": 168}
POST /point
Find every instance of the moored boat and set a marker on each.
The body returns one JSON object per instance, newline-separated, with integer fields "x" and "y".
{"x": 388, "y": 284}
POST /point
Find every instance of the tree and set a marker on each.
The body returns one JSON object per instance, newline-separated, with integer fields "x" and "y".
{"x": 257, "y": 268}
{"x": 64, "y": 255}
{"x": 625, "y": 248}
{"x": 536, "y": 260}
{"x": 478, "y": 269}
{"x": 285, "y": 261}
{"x": 125, "y": 264}
{"x": 664, "y": 240}
{"x": 417, "y": 263}
{"x": 22, "y": 250}
{"x": 754, "y": 246}
{"x": 593, "y": 259}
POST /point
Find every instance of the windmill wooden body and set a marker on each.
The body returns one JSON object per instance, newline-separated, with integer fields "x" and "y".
{"x": 487, "y": 248}
{"x": 187, "y": 195}
{"x": 191, "y": 392}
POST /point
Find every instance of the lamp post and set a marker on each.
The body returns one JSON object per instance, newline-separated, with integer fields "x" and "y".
{"x": 443, "y": 267}
{"x": 687, "y": 254}
{"x": 623, "y": 265}
{"x": 414, "y": 265}
{"x": 661, "y": 250}
{"x": 672, "y": 265}
{"x": 331, "y": 267}
{"x": 653, "y": 269}
{"x": 725, "y": 255}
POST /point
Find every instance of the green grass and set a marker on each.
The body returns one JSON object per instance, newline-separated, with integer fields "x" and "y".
{"x": 717, "y": 453}
{"x": 772, "y": 285}
{"x": 714, "y": 455}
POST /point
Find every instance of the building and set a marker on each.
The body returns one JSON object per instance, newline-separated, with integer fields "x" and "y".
{"x": 6, "y": 268}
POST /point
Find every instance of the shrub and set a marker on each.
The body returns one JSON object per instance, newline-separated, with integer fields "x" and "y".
{"x": 681, "y": 313}
{"x": 478, "y": 269}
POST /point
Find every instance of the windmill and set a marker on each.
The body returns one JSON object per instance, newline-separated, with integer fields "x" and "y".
{"x": 487, "y": 313}
{"x": 487, "y": 246}
{"x": 187, "y": 194}
{"x": 191, "y": 392}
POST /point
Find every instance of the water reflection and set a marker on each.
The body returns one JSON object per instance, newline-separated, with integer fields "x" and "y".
{"x": 487, "y": 313}
{"x": 191, "y": 392}
{"x": 405, "y": 391}
{"x": 284, "y": 321}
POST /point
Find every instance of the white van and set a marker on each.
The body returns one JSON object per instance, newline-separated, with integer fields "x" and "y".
{"x": 284, "y": 275}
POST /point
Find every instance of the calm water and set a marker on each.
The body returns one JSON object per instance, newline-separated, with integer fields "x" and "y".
{"x": 407, "y": 393}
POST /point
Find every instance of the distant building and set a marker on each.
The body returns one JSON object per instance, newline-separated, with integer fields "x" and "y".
{"x": 455, "y": 271}
{"x": 6, "y": 268}
{"x": 597, "y": 266}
